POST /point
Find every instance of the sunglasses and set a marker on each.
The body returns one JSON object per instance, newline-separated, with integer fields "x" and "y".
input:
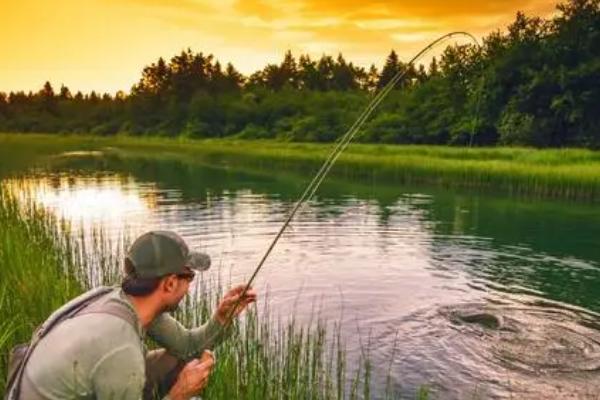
{"x": 188, "y": 275}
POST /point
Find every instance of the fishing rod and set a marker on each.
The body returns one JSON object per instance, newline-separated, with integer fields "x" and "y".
{"x": 341, "y": 145}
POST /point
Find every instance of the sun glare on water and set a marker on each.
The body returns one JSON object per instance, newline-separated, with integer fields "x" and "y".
{"x": 109, "y": 201}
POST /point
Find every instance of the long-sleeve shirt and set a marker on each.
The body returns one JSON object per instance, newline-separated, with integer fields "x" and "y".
{"x": 101, "y": 356}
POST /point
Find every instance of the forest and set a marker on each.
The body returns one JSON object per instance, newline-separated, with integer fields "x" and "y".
{"x": 535, "y": 83}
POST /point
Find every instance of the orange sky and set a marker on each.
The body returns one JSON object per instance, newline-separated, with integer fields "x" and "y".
{"x": 103, "y": 44}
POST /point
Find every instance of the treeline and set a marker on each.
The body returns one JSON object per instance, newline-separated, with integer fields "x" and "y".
{"x": 537, "y": 83}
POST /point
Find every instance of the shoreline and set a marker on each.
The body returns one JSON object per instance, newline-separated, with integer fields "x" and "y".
{"x": 567, "y": 174}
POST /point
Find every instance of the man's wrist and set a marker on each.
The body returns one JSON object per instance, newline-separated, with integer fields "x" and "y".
{"x": 221, "y": 319}
{"x": 175, "y": 394}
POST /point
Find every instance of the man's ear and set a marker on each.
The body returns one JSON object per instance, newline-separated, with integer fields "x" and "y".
{"x": 169, "y": 283}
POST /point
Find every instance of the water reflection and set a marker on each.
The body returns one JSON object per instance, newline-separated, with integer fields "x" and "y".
{"x": 385, "y": 261}
{"x": 104, "y": 199}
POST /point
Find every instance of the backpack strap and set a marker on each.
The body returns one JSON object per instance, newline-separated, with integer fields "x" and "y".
{"x": 68, "y": 310}
{"x": 112, "y": 308}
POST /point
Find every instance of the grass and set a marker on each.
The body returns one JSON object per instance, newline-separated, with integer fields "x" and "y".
{"x": 34, "y": 274}
{"x": 571, "y": 174}
{"x": 42, "y": 266}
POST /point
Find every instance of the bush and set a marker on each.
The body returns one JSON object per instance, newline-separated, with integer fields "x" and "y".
{"x": 516, "y": 128}
{"x": 252, "y": 131}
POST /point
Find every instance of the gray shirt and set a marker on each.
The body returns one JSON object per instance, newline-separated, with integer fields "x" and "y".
{"x": 101, "y": 356}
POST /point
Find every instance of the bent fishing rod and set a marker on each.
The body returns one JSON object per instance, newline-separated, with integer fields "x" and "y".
{"x": 341, "y": 145}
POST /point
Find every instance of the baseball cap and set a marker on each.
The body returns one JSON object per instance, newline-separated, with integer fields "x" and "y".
{"x": 159, "y": 253}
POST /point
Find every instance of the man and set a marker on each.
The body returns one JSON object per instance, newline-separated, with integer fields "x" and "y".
{"x": 98, "y": 355}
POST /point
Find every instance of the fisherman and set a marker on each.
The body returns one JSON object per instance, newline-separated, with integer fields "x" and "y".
{"x": 99, "y": 353}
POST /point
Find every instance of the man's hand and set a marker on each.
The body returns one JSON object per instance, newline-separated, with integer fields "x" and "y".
{"x": 224, "y": 310}
{"x": 193, "y": 377}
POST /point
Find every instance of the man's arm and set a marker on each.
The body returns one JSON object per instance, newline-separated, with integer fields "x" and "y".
{"x": 182, "y": 342}
{"x": 189, "y": 343}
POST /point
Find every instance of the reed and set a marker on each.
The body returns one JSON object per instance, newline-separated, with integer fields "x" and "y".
{"x": 571, "y": 174}
{"x": 36, "y": 273}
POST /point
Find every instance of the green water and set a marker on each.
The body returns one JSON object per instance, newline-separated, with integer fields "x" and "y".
{"x": 386, "y": 261}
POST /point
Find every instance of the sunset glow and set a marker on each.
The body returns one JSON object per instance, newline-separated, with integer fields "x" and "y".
{"x": 103, "y": 45}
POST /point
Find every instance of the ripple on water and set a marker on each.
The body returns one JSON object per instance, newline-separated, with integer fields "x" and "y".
{"x": 547, "y": 349}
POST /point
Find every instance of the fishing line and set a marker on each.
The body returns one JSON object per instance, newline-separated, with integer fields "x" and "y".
{"x": 341, "y": 145}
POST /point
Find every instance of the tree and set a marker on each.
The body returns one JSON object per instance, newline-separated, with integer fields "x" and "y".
{"x": 325, "y": 68}
{"x": 390, "y": 69}
{"x": 3, "y": 103}
{"x": 289, "y": 70}
{"x": 47, "y": 92}
{"x": 93, "y": 97}
{"x": 233, "y": 78}
{"x": 65, "y": 93}
{"x": 48, "y": 98}
{"x": 274, "y": 77}
{"x": 308, "y": 75}
{"x": 433, "y": 67}
{"x": 154, "y": 79}
{"x": 421, "y": 74}
{"x": 372, "y": 79}
{"x": 343, "y": 75}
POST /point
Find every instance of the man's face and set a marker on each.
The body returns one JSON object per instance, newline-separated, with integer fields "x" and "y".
{"x": 178, "y": 287}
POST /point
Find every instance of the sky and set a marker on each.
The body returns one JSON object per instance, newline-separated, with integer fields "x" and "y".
{"x": 103, "y": 45}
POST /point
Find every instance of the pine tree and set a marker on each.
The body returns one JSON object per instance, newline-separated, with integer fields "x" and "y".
{"x": 65, "y": 93}
{"x": 372, "y": 78}
{"x": 325, "y": 72}
{"x": 3, "y": 103}
{"x": 47, "y": 92}
{"x": 48, "y": 98}
{"x": 390, "y": 69}
{"x": 343, "y": 75}
{"x": 289, "y": 70}
{"x": 421, "y": 74}
{"x": 307, "y": 73}
{"x": 434, "y": 69}
{"x": 234, "y": 78}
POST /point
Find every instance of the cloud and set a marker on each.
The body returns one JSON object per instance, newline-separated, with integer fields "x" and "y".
{"x": 185, "y": 6}
{"x": 258, "y": 8}
{"x": 354, "y": 20}
{"x": 418, "y": 37}
{"x": 366, "y": 29}
{"x": 392, "y": 23}
{"x": 250, "y": 33}
{"x": 423, "y": 9}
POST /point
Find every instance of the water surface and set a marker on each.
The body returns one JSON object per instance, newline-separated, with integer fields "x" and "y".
{"x": 473, "y": 295}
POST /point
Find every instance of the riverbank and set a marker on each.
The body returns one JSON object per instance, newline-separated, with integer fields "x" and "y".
{"x": 569, "y": 174}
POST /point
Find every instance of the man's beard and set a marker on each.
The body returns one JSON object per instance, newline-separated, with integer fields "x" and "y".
{"x": 172, "y": 307}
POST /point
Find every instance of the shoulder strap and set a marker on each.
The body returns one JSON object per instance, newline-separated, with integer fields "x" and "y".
{"x": 112, "y": 308}
{"x": 68, "y": 310}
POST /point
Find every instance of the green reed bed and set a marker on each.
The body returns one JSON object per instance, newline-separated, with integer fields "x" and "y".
{"x": 557, "y": 173}
{"x": 572, "y": 174}
{"x": 35, "y": 274}
{"x": 42, "y": 265}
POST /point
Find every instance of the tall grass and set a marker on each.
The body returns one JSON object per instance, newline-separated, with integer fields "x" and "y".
{"x": 36, "y": 273}
{"x": 42, "y": 266}
{"x": 572, "y": 174}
